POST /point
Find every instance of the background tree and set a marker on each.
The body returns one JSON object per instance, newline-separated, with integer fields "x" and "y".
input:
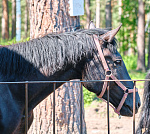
{"x": 127, "y": 35}
{"x": 147, "y": 29}
{"x": 88, "y": 12}
{"x": 108, "y": 14}
{"x": 13, "y": 31}
{"x": 50, "y": 16}
{"x": 26, "y": 19}
{"x": 18, "y": 20}
{"x": 141, "y": 36}
{"x": 97, "y": 13}
{"x": 5, "y": 20}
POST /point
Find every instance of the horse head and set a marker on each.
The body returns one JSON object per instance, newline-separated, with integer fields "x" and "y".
{"x": 106, "y": 63}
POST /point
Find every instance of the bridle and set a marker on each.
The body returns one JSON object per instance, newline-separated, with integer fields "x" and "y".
{"x": 108, "y": 74}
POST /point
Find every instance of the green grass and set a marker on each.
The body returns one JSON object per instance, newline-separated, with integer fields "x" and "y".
{"x": 89, "y": 97}
{"x": 138, "y": 75}
{"x": 12, "y": 41}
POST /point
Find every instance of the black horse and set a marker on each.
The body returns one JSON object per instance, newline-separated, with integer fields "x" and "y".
{"x": 59, "y": 57}
{"x": 144, "y": 121}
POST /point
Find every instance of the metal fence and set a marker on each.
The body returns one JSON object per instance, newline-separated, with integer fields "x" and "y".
{"x": 81, "y": 93}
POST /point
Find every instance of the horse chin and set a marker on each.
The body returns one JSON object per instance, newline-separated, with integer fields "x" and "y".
{"x": 126, "y": 111}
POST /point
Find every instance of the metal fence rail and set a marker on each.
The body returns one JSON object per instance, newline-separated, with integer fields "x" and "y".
{"x": 81, "y": 88}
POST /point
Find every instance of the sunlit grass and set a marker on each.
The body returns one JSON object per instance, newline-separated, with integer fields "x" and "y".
{"x": 12, "y": 41}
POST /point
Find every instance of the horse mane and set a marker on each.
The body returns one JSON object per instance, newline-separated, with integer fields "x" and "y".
{"x": 49, "y": 53}
{"x": 144, "y": 121}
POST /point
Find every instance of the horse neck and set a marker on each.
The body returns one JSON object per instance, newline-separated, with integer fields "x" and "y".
{"x": 72, "y": 69}
{"x": 56, "y": 63}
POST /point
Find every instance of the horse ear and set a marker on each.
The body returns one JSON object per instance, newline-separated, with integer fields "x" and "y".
{"x": 109, "y": 36}
{"x": 91, "y": 25}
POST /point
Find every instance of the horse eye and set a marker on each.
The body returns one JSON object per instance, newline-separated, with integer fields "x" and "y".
{"x": 118, "y": 62}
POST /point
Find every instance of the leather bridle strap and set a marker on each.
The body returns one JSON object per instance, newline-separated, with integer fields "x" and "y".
{"x": 108, "y": 75}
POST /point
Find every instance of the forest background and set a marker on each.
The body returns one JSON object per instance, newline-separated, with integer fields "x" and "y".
{"x": 133, "y": 38}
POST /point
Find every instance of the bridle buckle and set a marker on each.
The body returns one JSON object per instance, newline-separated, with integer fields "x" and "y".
{"x": 108, "y": 73}
{"x": 126, "y": 91}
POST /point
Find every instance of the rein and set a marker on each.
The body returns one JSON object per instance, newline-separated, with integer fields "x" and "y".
{"x": 108, "y": 74}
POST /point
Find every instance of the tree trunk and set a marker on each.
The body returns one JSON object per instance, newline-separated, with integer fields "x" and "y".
{"x": 18, "y": 20}
{"x": 13, "y": 32}
{"x": 120, "y": 9}
{"x": 26, "y": 20}
{"x": 88, "y": 12}
{"x": 1, "y": 20}
{"x": 97, "y": 13}
{"x": 141, "y": 37}
{"x": 48, "y": 17}
{"x": 5, "y": 20}
{"x": 148, "y": 67}
{"x": 108, "y": 14}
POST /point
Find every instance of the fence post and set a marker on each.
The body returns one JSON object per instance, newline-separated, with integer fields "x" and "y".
{"x": 134, "y": 97}
{"x": 108, "y": 107}
{"x": 54, "y": 88}
{"x": 81, "y": 89}
{"x": 26, "y": 107}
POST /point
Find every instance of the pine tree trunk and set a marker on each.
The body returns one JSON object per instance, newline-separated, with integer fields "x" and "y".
{"x": 0, "y": 20}
{"x": 5, "y": 20}
{"x": 18, "y": 20}
{"x": 88, "y": 12}
{"x": 48, "y": 17}
{"x": 13, "y": 32}
{"x": 97, "y": 13}
{"x": 148, "y": 67}
{"x": 141, "y": 37}
{"x": 108, "y": 14}
{"x": 26, "y": 20}
{"x": 120, "y": 9}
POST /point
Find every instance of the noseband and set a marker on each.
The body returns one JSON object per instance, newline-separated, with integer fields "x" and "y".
{"x": 108, "y": 74}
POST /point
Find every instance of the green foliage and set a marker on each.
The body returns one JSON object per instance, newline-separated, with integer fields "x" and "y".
{"x": 128, "y": 32}
{"x": 13, "y": 41}
{"x": 88, "y": 96}
{"x": 130, "y": 62}
{"x": 137, "y": 74}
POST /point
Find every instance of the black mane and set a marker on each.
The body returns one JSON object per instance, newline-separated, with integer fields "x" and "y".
{"x": 50, "y": 53}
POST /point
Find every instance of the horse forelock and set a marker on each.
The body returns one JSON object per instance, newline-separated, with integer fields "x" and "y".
{"x": 49, "y": 53}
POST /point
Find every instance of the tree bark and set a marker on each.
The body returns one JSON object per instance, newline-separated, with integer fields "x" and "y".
{"x": 26, "y": 20}
{"x": 1, "y": 20}
{"x": 141, "y": 37}
{"x": 50, "y": 16}
{"x": 97, "y": 13}
{"x": 5, "y": 20}
{"x": 148, "y": 67}
{"x": 120, "y": 9}
{"x": 108, "y": 14}
{"x": 13, "y": 32}
{"x": 88, "y": 12}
